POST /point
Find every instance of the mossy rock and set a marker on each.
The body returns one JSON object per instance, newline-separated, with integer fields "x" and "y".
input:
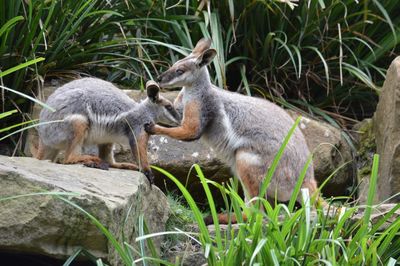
{"x": 366, "y": 148}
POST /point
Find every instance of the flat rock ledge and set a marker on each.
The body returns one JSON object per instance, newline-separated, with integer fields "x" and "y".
{"x": 46, "y": 225}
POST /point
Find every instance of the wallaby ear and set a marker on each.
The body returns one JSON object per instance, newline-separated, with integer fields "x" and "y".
{"x": 153, "y": 90}
{"x": 206, "y": 57}
{"x": 202, "y": 45}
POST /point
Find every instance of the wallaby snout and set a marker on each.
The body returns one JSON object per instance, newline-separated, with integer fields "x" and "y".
{"x": 170, "y": 78}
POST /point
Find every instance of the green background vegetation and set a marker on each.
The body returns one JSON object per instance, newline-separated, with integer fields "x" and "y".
{"x": 320, "y": 55}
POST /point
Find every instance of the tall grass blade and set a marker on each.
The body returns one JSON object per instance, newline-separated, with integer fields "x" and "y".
{"x": 277, "y": 158}
{"x": 19, "y": 67}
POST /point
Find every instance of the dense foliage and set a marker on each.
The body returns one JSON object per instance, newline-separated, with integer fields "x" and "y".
{"x": 320, "y": 54}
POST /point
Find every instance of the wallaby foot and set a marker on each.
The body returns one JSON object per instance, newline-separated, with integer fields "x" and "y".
{"x": 87, "y": 160}
{"x": 223, "y": 218}
{"x": 150, "y": 176}
{"x": 128, "y": 166}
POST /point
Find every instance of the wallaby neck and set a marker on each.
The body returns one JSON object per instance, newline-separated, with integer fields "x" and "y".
{"x": 201, "y": 84}
{"x": 137, "y": 112}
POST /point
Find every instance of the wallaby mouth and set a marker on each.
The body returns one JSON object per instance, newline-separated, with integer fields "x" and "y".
{"x": 165, "y": 80}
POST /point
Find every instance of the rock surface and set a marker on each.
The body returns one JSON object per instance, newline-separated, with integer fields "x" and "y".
{"x": 177, "y": 157}
{"x": 387, "y": 132}
{"x": 47, "y": 225}
{"x": 366, "y": 148}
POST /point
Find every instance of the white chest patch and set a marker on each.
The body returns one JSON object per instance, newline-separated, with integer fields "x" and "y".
{"x": 101, "y": 131}
{"x": 225, "y": 140}
{"x": 250, "y": 158}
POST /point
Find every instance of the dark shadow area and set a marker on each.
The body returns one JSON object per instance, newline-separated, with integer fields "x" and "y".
{"x": 18, "y": 259}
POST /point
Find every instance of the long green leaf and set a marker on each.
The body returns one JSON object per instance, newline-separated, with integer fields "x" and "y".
{"x": 20, "y": 66}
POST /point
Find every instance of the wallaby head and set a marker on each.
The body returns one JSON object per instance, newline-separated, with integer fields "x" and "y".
{"x": 185, "y": 72}
{"x": 161, "y": 108}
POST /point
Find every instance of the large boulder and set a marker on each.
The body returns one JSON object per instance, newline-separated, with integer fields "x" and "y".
{"x": 387, "y": 132}
{"x": 177, "y": 157}
{"x": 49, "y": 226}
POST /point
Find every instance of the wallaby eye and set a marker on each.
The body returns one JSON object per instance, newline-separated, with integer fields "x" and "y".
{"x": 169, "y": 107}
{"x": 179, "y": 72}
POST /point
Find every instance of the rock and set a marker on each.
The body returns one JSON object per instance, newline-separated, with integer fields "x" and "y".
{"x": 366, "y": 148}
{"x": 177, "y": 157}
{"x": 49, "y": 226}
{"x": 188, "y": 253}
{"x": 387, "y": 131}
{"x": 379, "y": 212}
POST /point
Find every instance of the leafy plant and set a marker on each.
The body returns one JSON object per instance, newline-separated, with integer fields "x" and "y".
{"x": 284, "y": 237}
{"x": 327, "y": 53}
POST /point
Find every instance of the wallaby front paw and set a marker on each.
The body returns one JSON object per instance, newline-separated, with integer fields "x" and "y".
{"x": 150, "y": 176}
{"x": 208, "y": 220}
{"x": 149, "y": 128}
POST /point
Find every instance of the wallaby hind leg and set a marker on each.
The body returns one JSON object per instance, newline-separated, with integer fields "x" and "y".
{"x": 143, "y": 162}
{"x": 250, "y": 170}
{"x": 74, "y": 147}
{"x": 44, "y": 152}
{"x": 106, "y": 154}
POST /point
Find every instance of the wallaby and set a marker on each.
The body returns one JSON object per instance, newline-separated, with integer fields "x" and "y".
{"x": 245, "y": 131}
{"x": 94, "y": 111}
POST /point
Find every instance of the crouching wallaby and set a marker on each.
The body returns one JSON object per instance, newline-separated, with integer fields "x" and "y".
{"x": 246, "y": 132}
{"x": 94, "y": 111}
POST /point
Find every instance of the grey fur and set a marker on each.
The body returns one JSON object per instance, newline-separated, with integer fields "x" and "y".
{"x": 231, "y": 122}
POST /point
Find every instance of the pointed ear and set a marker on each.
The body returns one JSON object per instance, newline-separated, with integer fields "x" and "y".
{"x": 206, "y": 57}
{"x": 153, "y": 90}
{"x": 202, "y": 45}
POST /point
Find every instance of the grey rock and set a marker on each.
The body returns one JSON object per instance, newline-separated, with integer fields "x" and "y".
{"x": 188, "y": 253}
{"x": 47, "y": 225}
{"x": 366, "y": 148}
{"x": 387, "y": 131}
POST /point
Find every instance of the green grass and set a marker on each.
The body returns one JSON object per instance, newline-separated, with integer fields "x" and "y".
{"x": 284, "y": 237}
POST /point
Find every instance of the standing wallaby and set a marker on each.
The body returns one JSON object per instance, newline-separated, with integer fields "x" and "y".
{"x": 94, "y": 111}
{"x": 246, "y": 132}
